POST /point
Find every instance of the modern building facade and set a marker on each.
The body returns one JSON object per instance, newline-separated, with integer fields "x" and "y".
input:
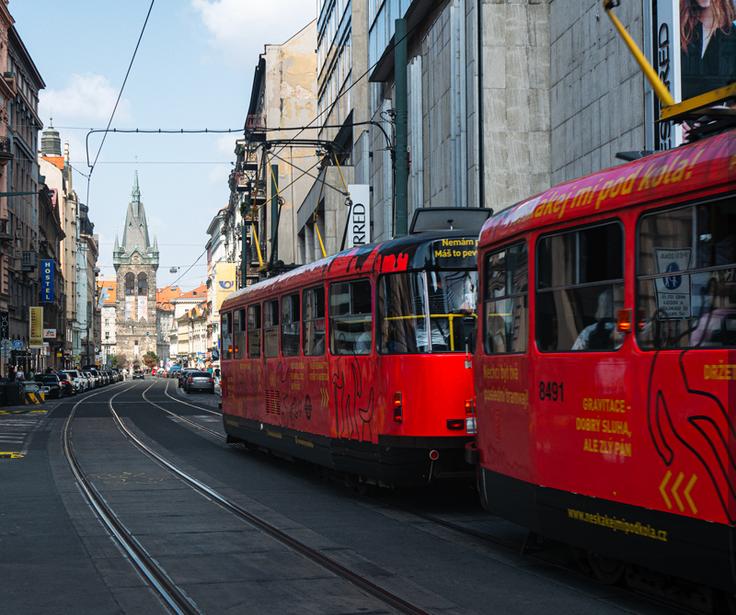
{"x": 136, "y": 262}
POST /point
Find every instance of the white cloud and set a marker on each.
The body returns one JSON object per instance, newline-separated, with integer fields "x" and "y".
{"x": 232, "y": 23}
{"x": 86, "y": 98}
{"x": 226, "y": 145}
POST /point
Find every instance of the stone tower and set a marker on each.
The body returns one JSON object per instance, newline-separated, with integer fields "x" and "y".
{"x": 136, "y": 262}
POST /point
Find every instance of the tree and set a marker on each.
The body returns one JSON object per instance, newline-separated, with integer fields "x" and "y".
{"x": 119, "y": 361}
{"x": 150, "y": 359}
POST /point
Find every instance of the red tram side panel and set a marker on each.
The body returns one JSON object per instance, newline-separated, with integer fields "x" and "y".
{"x": 606, "y": 362}
{"x": 376, "y": 378}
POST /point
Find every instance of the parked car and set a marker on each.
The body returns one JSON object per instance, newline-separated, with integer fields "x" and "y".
{"x": 182, "y": 376}
{"x": 138, "y": 375}
{"x": 67, "y": 386}
{"x": 93, "y": 381}
{"x": 31, "y": 386}
{"x": 199, "y": 381}
{"x": 80, "y": 383}
{"x": 52, "y": 382}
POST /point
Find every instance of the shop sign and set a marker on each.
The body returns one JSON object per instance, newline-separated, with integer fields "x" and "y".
{"x": 35, "y": 327}
{"x": 49, "y": 334}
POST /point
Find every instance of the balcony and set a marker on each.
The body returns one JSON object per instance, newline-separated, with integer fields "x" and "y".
{"x": 5, "y": 234}
{"x": 6, "y": 152}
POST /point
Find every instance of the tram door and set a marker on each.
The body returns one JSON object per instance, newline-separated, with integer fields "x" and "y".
{"x": 686, "y": 293}
{"x": 352, "y": 372}
{"x": 581, "y": 385}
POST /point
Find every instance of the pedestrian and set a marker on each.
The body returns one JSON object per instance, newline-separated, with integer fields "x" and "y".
{"x": 19, "y": 375}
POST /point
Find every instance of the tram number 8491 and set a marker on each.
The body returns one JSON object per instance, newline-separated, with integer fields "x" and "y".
{"x": 551, "y": 391}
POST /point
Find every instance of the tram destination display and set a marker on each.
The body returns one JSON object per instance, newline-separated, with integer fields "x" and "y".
{"x": 451, "y": 253}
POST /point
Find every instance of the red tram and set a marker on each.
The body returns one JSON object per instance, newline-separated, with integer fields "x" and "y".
{"x": 361, "y": 361}
{"x": 605, "y": 365}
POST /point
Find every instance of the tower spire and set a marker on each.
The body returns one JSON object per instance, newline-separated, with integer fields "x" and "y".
{"x": 136, "y": 193}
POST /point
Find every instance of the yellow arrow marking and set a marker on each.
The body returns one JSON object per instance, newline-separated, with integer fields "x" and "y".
{"x": 11, "y": 455}
{"x": 675, "y": 487}
{"x": 686, "y": 493}
{"x": 663, "y": 486}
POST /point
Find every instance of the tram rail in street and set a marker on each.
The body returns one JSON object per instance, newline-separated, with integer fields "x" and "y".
{"x": 361, "y": 582}
{"x": 173, "y": 597}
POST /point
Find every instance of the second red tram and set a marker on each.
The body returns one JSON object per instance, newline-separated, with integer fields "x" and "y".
{"x": 359, "y": 362}
{"x": 605, "y": 367}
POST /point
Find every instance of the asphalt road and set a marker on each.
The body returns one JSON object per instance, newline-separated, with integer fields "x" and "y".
{"x": 56, "y": 557}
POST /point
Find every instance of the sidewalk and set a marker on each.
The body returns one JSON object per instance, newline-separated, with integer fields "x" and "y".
{"x": 17, "y": 425}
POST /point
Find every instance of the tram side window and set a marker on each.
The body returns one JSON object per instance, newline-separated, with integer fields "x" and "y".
{"x": 351, "y": 318}
{"x": 580, "y": 289}
{"x": 686, "y": 277}
{"x": 505, "y": 305}
{"x": 239, "y": 334}
{"x": 227, "y": 339}
{"x": 313, "y": 300}
{"x": 290, "y": 325}
{"x": 271, "y": 328}
{"x": 254, "y": 331}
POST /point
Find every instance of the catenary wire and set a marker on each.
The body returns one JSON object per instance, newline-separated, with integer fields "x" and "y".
{"x": 122, "y": 87}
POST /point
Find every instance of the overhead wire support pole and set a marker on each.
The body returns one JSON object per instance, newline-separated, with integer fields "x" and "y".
{"x": 401, "y": 47}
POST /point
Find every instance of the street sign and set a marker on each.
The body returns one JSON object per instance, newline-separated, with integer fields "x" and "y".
{"x": 18, "y": 345}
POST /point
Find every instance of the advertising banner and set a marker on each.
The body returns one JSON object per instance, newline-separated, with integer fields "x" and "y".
{"x": 359, "y": 220}
{"x": 142, "y": 307}
{"x": 129, "y": 305}
{"x": 47, "y": 280}
{"x": 224, "y": 282}
{"x": 35, "y": 327}
{"x": 693, "y": 51}
{"x": 49, "y": 334}
{"x": 666, "y": 61}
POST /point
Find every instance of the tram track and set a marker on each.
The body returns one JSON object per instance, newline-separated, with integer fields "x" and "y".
{"x": 173, "y": 597}
{"x": 525, "y": 548}
{"x": 364, "y": 584}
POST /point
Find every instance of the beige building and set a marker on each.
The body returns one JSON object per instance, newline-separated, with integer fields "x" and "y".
{"x": 269, "y": 184}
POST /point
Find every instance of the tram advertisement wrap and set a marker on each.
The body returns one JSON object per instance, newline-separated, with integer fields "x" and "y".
{"x": 455, "y": 253}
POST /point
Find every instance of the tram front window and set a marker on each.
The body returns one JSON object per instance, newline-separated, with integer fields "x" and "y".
{"x": 427, "y": 312}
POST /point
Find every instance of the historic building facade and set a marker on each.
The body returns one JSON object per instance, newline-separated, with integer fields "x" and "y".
{"x": 136, "y": 263}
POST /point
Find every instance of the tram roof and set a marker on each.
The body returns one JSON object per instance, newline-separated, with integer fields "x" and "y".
{"x": 395, "y": 255}
{"x": 674, "y": 175}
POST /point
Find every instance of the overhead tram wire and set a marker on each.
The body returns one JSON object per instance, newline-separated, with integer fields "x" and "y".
{"x": 189, "y": 268}
{"x": 117, "y": 101}
{"x": 409, "y": 32}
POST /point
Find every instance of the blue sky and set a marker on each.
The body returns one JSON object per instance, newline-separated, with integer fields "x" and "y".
{"x": 193, "y": 70}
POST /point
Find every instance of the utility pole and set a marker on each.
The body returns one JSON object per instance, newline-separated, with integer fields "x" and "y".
{"x": 400, "y": 107}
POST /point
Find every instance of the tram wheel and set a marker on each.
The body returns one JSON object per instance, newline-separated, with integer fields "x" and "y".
{"x": 606, "y": 570}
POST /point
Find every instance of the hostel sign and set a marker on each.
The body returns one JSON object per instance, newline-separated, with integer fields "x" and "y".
{"x": 47, "y": 281}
